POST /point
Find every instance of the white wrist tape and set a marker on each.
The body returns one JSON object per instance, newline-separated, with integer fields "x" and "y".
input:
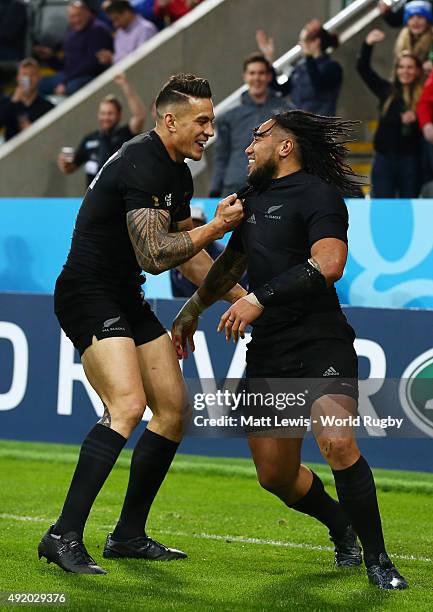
{"x": 251, "y": 298}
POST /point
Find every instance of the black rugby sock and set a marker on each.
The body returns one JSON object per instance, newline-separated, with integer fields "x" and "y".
{"x": 150, "y": 462}
{"x": 318, "y": 504}
{"x": 357, "y": 494}
{"x": 98, "y": 455}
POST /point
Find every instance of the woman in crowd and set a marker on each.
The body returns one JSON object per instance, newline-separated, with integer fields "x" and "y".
{"x": 315, "y": 82}
{"x": 397, "y": 142}
{"x": 417, "y": 35}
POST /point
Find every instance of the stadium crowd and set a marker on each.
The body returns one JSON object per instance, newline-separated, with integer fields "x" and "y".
{"x": 99, "y": 34}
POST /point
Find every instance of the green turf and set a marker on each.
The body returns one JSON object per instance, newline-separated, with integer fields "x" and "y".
{"x": 213, "y": 509}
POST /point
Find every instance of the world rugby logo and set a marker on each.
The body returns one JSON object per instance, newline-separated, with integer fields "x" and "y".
{"x": 416, "y": 392}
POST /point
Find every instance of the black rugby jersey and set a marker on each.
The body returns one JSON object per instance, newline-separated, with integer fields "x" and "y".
{"x": 279, "y": 228}
{"x": 140, "y": 175}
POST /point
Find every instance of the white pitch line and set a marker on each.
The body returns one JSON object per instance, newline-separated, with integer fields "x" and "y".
{"x": 224, "y": 538}
{"x": 302, "y": 545}
{"x": 15, "y": 517}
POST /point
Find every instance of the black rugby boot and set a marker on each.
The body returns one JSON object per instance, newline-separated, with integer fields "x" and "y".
{"x": 141, "y": 547}
{"x": 385, "y": 575}
{"x": 347, "y": 549}
{"x": 68, "y": 552}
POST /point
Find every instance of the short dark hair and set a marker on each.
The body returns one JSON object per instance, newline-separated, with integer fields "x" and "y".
{"x": 179, "y": 88}
{"x": 111, "y": 99}
{"x": 119, "y": 6}
{"x": 257, "y": 57}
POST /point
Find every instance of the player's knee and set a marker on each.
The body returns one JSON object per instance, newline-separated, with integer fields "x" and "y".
{"x": 176, "y": 411}
{"x": 128, "y": 410}
{"x": 338, "y": 450}
{"x": 274, "y": 479}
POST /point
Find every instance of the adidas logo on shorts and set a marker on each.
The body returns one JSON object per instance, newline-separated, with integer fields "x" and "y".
{"x": 331, "y": 372}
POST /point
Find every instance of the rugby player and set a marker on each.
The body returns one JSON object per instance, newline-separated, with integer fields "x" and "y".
{"x": 135, "y": 216}
{"x": 293, "y": 243}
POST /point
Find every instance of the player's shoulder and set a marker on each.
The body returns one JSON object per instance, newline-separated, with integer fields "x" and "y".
{"x": 315, "y": 184}
{"x": 147, "y": 164}
{"x": 316, "y": 193}
{"x": 139, "y": 145}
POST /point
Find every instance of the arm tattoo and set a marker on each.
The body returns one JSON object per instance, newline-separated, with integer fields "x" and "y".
{"x": 106, "y": 418}
{"x": 156, "y": 249}
{"x": 225, "y": 273}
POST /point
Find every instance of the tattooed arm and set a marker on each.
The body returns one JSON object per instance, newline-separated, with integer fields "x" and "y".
{"x": 157, "y": 249}
{"x": 222, "y": 277}
{"x": 196, "y": 268}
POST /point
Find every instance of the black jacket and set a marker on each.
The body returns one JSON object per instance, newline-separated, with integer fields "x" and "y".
{"x": 391, "y": 135}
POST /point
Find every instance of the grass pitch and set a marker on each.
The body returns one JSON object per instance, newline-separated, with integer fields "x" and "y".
{"x": 246, "y": 550}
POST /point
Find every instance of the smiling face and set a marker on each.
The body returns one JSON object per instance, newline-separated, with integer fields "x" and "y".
{"x": 191, "y": 126}
{"x": 417, "y": 24}
{"x": 121, "y": 19}
{"x": 257, "y": 77}
{"x": 78, "y": 17}
{"x": 265, "y": 153}
{"x": 407, "y": 70}
{"x": 108, "y": 116}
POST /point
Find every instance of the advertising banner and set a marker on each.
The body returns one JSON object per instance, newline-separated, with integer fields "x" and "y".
{"x": 389, "y": 266}
{"x": 44, "y": 395}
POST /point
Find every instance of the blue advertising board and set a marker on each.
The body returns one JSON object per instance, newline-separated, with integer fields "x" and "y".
{"x": 44, "y": 395}
{"x": 390, "y": 250}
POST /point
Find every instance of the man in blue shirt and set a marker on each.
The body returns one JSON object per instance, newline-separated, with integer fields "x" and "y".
{"x": 235, "y": 126}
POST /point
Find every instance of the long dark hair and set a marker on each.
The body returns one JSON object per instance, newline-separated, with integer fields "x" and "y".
{"x": 320, "y": 144}
{"x": 409, "y": 93}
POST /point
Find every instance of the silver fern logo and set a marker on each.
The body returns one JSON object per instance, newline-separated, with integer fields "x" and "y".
{"x": 110, "y": 322}
{"x": 272, "y": 209}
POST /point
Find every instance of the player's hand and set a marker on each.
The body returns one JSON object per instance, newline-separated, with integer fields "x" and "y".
{"x": 237, "y": 317}
{"x": 182, "y": 333}
{"x": 375, "y": 36}
{"x": 229, "y": 213}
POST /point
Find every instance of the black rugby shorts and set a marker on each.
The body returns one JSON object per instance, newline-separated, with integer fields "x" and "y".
{"x": 317, "y": 348}
{"x": 87, "y": 308}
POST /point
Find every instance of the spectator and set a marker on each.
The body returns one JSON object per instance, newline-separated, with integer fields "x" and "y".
{"x": 397, "y": 142}
{"x": 180, "y": 285}
{"x": 235, "y": 127}
{"x": 145, "y": 8}
{"x": 98, "y": 146}
{"x": 13, "y": 27}
{"x": 172, "y": 10}
{"x": 417, "y": 35}
{"x": 392, "y": 11}
{"x": 131, "y": 31}
{"x": 425, "y": 118}
{"x": 25, "y": 105}
{"x": 85, "y": 37}
{"x": 315, "y": 83}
